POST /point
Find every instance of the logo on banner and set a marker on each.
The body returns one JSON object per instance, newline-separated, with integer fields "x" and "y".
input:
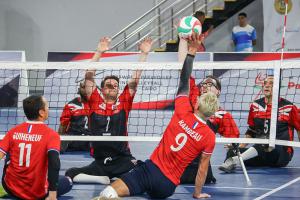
{"x": 259, "y": 83}
{"x": 280, "y": 6}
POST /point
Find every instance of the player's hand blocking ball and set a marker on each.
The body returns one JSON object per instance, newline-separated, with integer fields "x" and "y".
{"x": 193, "y": 43}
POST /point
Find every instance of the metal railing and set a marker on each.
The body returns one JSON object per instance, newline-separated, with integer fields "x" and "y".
{"x": 159, "y": 23}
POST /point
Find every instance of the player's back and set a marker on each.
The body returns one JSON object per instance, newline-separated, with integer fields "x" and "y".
{"x": 28, "y": 146}
{"x": 185, "y": 138}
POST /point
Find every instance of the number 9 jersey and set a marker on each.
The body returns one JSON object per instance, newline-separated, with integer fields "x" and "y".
{"x": 27, "y": 145}
{"x": 185, "y": 138}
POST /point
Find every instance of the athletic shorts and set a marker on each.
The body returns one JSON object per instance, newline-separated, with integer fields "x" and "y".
{"x": 148, "y": 178}
{"x": 108, "y": 167}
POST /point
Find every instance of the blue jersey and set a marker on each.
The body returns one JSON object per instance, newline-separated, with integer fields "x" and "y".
{"x": 242, "y": 37}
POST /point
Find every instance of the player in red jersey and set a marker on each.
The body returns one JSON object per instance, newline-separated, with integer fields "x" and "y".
{"x": 32, "y": 155}
{"x": 221, "y": 122}
{"x": 109, "y": 111}
{"x": 259, "y": 127}
{"x": 186, "y": 137}
{"x": 74, "y": 121}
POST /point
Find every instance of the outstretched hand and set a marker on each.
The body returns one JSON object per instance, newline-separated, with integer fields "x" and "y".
{"x": 104, "y": 44}
{"x": 145, "y": 45}
{"x": 194, "y": 41}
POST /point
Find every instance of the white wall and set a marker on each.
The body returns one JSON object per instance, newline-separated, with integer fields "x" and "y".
{"x": 39, "y": 26}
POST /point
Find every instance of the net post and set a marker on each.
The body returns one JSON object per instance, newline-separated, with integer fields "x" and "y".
{"x": 275, "y": 98}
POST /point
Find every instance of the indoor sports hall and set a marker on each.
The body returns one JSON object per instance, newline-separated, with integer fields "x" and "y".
{"x": 122, "y": 88}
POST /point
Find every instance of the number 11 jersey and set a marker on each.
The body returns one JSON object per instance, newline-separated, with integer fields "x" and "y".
{"x": 185, "y": 138}
{"x": 26, "y": 171}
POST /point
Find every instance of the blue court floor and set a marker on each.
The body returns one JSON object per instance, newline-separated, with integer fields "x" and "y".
{"x": 273, "y": 183}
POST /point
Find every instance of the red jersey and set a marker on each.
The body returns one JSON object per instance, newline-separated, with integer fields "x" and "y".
{"x": 75, "y": 117}
{"x": 183, "y": 140}
{"x": 223, "y": 123}
{"x": 110, "y": 119}
{"x": 27, "y": 145}
{"x": 194, "y": 91}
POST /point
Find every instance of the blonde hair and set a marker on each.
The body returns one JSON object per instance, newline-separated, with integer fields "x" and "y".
{"x": 208, "y": 104}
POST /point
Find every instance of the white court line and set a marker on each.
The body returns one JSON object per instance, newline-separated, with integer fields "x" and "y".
{"x": 291, "y": 167}
{"x": 277, "y": 189}
{"x": 240, "y": 188}
{"x": 91, "y": 159}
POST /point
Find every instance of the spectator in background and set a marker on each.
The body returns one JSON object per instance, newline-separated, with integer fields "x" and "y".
{"x": 243, "y": 35}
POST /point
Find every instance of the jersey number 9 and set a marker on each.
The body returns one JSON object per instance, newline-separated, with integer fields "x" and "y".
{"x": 180, "y": 139}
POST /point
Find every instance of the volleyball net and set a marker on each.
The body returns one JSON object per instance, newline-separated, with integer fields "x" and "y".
{"x": 153, "y": 105}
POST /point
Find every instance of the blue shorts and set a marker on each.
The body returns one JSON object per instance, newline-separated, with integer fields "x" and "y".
{"x": 147, "y": 177}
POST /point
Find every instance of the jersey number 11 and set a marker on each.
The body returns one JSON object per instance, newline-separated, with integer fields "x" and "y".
{"x": 22, "y": 147}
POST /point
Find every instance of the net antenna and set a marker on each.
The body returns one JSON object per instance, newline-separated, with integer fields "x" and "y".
{"x": 276, "y": 84}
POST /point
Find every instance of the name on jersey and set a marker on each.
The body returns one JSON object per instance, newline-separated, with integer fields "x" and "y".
{"x": 27, "y": 137}
{"x": 189, "y": 131}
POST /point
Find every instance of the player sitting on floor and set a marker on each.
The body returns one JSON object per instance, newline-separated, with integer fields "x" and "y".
{"x": 74, "y": 121}
{"x": 186, "y": 137}
{"x": 109, "y": 116}
{"x": 259, "y": 127}
{"x": 32, "y": 163}
{"x": 221, "y": 122}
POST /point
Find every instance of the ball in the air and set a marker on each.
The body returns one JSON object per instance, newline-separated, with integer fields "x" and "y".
{"x": 188, "y": 25}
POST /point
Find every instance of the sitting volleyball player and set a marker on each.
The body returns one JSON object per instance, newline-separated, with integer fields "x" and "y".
{"x": 74, "y": 121}
{"x": 221, "y": 122}
{"x": 31, "y": 169}
{"x": 186, "y": 137}
{"x": 259, "y": 127}
{"x": 109, "y": 116}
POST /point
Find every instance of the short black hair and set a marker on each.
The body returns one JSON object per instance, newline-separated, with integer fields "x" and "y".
{"x": 32, "y": 105}
{"x": 109, "y": 77}
{"x": 219, "y": 87}
{"x": 243, "y": 14}
{"x": 199, "y": 14}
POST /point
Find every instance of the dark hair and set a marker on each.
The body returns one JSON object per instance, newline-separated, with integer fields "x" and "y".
{"x": 217, "y": 81}
{"x": 199, "y": 14}
{"x": 109, "y": 77}
{"x": 32, "y": 105}
{"x": 243, "y": 14}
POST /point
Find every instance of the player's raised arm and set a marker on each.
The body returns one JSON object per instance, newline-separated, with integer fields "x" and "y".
{"x": 144, "y": 47}
{"x": 103, "y": 46}
{"x": 187, "y": 68}
{"x": 89, "y": 83}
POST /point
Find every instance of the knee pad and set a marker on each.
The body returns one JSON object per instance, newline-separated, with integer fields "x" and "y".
{"x": 109, "y": 192}
{"x": 65, "y": 184}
